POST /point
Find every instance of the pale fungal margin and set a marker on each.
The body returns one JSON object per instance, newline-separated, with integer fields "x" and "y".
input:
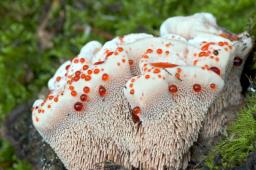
{"x": 141, "y": 101}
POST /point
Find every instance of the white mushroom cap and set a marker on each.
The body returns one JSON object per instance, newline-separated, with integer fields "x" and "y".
{"x": 190, "y": 26}
{"x": 89, "y": 50}
{"x": 86, "y": 84}
{"x": 158, "y": 46}
{"x": 112, "y": 45}
{"x": 58, "y": 81}
{"x": 68, "y": 68}
{"x": 212, "y": 52}
{"x": 174, "y": 37}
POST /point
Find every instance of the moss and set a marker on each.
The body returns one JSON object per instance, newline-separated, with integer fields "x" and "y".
{"x": 241, "y": 139}
{"x": 8, "y": 160}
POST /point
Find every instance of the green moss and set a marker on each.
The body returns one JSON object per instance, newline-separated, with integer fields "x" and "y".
{"x": 241, "y": 138}
{"x": 8, "y": 160}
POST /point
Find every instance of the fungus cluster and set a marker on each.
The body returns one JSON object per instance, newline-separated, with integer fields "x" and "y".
{"x": 141, "y": 100}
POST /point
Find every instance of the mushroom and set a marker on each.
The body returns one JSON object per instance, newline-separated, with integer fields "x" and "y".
{"x": 231, "y": 96}
{"x": 169, "y": 120}
{"x": 81, "y": 118}
{"x": 89, "y": 50}
{"x": 58, "y": 81}
{"x": 202, "y": 25}
{"x": 111, "y": 45}
{"x": 190, "y": 26}
{"x": 212, "y": 52}
{"x": 140, "y": 100}
{"x": 194, "y": 25}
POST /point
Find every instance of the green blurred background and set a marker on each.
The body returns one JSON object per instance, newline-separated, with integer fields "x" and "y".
{"x": 37, "y": 35}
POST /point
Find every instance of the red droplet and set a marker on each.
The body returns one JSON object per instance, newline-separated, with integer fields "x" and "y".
{"x": 67, "y": 67}
{"x": 197, "y": 87}
{"x": 156, "y": 70}
{"x": 237, "y": 61}
{"x": 221, "y": 43}
{"x": 86, "y": 89}
{"x": 73, "y": 93}
{"x": 85, "y": 67}
{"x": 213, "y": 86}
{"x": 99, "y": 62}
{"x": 109, "y": 53}
{"x": 89, "y": 71}
{"x": 78, "y": 106}
{"x": 58, "y": 78}
{"x": 216, "y": 70}
{"x": 136, "y": 114}
{"x": 159, "y": 51}
{"x": 120, "y": 49}
{"x": 105, "y": 77}
{"x": 173, "y": 88}
{"x": 82, "y": 76}
{"x": 202, "y": 54}
{"x": 149, "y": 50}
{"x": 51, "y": 97}
{"x": 71, "y": 88}
{"x": 96, "y": 71}
{"x": 56, "y": 99}
{"x": 87, "y": 78}
{"x": 76, "y": 60}
{"x": 77, "y": 73}
{"x": 147, "y": 76}
{"x": 132, "y": 91}
{"x": 102, "y": 91}
{"x": 76, "y": 78}
{"x": 130, "y": 62}
{"x": 82, "y": 60}
{"x": 83, "y": 97}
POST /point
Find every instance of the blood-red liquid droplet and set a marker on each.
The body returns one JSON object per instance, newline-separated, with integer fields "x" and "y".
{"x": 159, "y": 51}
{"x": 99, "y": 62}
{"x": 73, "y": 93}
{"x": 77, "y": 73}
{"x": 67, "y": 67}
{"x": 173, "y": 88}
{"x": 83, "y": 97}
{"x": 197, "y": 87}
{"x": 85, "y": 67}
{"x": 237, "y": 61}
{"x": 130, "y": 62}
{"x": 87, "y": 78}
{"x": 136, "y": 114}
{"x": 78, "y": 106}
{"x": 86, "y": 89}
{"x": 216, "y": 70}
{"x": 76, "y": 78}
{"x": 213, "y": 86}
{"x": 132, "y": 91}
{"x": 102, "y": 91}
{"x": 105, "y": 77}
